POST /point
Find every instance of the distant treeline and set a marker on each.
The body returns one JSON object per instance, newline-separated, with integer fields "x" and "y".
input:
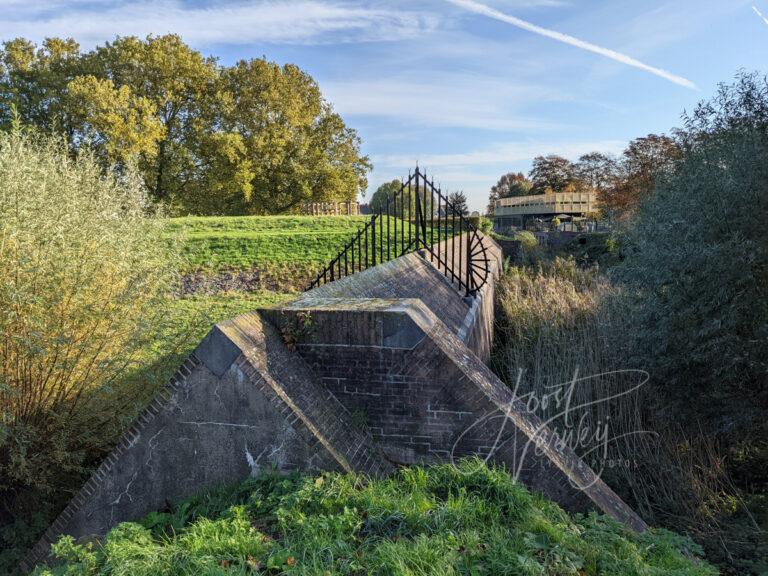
{"x": 620, "y": 183}
{"x": 252, "y": 138}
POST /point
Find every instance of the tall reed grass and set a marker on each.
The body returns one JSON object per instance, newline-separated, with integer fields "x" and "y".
{"x": 560, "y": 328}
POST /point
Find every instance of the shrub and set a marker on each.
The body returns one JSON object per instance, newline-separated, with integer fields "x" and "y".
{"x": 526, "y": 239}
{"x": 695, "y": 305}
{"x": 696, "y": 267}
{"x": 82, "y": 272}
{"x": 485, "y": 225}
{"x": 531, "y": 250}
{"x": 557, "y": 321}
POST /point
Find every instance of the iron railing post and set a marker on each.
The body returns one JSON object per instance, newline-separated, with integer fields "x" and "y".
{"x": 469, "y": 264}
{"x": 389, "y": 238}
{"x": 470, "y": 270}
{"x": 373, "y": 240}
{"x": 418, "y": 211}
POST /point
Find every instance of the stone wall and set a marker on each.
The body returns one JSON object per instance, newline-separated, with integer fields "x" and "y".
{"x": 241, "y": 403}
{"x": 384, "y": 368}
{"x": 425, "y": 397}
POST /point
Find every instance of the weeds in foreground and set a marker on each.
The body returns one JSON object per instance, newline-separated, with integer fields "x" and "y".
{"x": 445, "y": 520}
{"x": 559, "y": 328}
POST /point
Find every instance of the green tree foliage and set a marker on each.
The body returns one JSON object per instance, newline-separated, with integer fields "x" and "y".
{"x": 403, "y": 205}
{"x": 179, "y": 82}
{"x": 510, "y": 184}
{"x": 35, "y": 81}
{"x": 552, "y": 174}
{"x": 384, "y": 192}
{"x": 253, "y": 138}
{"x": 81, "y": 276}
{"x": 697, "y": 264}
{"x": 458, "y": 200}
{"x": 114, "y": 121}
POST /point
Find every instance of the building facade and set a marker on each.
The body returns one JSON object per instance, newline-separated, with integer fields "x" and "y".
{"x": 519, "y": 211}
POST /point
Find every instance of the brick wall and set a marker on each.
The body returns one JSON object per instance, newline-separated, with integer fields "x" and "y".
{"x": 425, "y": 397}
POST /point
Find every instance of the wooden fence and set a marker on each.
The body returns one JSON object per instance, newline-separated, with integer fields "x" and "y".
{"x": 330, "y": 208}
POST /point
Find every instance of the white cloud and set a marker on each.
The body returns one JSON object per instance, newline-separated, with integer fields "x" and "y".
{"x": 503, "y": 153}
{"x": 527, "y": 3}
{"x": 485, "y": 10}
{"x": 760, "y": 14}
{"x": 443, "y": 99}
{"x": 281, "y": 21}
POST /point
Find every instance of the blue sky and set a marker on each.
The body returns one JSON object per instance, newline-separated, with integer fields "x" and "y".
{"x": 469, "y": 89}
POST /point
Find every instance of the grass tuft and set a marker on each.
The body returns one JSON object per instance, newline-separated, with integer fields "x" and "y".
{"x": 470, "y": 519}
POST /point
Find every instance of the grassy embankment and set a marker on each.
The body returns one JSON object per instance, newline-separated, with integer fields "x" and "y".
{"x": 277, "y": 255}
{"x": 440, "y": 521}
{"x": 244, "y": 242}
{"x": 286, "y": 249}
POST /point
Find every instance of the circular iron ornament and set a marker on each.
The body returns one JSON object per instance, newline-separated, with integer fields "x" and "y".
{"x": 418, "y": 216}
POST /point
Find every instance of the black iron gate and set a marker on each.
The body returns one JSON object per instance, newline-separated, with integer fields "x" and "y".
{"x": 416, "y": 217}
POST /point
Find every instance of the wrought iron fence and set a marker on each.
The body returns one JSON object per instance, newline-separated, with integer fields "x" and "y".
{"x": 416, "y": 217}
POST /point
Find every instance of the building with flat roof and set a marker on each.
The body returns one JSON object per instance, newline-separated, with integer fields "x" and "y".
{"x": 516, "y": 212}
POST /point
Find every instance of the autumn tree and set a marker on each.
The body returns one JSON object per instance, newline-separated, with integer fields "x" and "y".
{"x": 177, "y": 81}
{"x": 644, "y": 161}
{"x": 551, "y": 174}
{"x": 596, "y": 171}
{"x": 117, "y": 123}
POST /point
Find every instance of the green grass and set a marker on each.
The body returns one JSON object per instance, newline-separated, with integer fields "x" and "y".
{"x": 443, "y": 521}
{"x": 247, "y": 241}
{"x": 185, "y": 322}
{"x": 243, "y": 242}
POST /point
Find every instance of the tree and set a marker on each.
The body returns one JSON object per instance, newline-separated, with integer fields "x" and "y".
{"x": 34, "y": 80}
{"x": 179, "y": 82}
{"x": 384, "y": 192}
{"x": 114, "y": 121}
{"x": 596, "y": 171}
{"x": 253, "y": 138}
{"x": 510, "y": 184}
{"x": 458, "y": 200}
{"x": 285, "y": 141}
{"x": 696, "y": 270}
{"x": 642, "y": 164}
{"x": 551, "y": 174}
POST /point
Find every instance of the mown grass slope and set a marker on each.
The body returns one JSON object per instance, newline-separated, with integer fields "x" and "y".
{"x": 260, "y": 241}
{"x": 245, "y": 241}
{"x": 442, "y": 521}
{"x": 187, "y": 321}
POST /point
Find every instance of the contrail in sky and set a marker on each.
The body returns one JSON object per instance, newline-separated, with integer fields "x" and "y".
{"x": 760, "y": 14}
{"x": 479, "y": 8}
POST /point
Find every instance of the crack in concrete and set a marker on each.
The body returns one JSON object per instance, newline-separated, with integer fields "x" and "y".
{"x": 125, "y": 492}
{"x": 152, "y": 444}
{"x": 223, "y": 424}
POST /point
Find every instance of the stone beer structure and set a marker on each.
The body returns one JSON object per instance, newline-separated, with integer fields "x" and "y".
{"x": 379, "y": 369}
